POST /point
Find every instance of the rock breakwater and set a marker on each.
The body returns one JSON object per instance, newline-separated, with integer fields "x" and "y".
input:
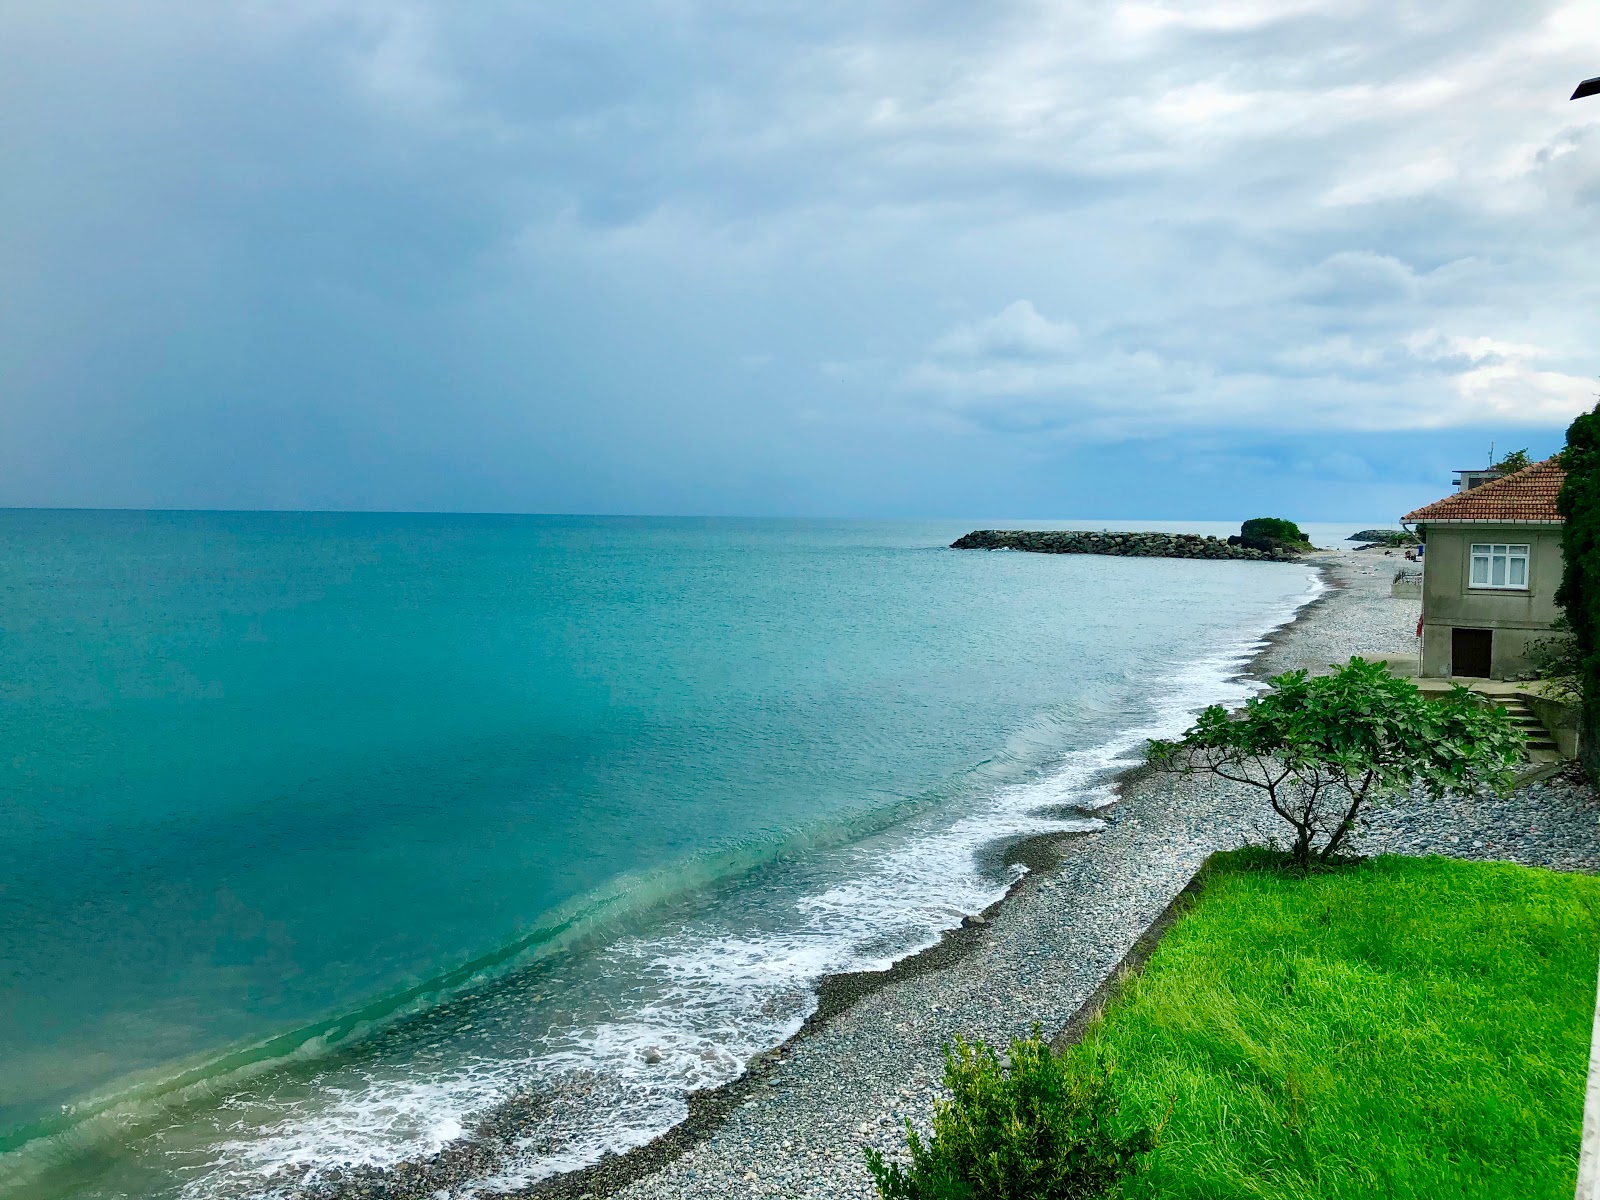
{"x": 1129, "y": 545}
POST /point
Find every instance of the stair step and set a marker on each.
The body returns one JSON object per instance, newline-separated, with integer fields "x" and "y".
{"x": 1536, "y": 738}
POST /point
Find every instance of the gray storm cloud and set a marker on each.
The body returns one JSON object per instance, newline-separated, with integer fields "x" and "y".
{"x": 693, "y": 257}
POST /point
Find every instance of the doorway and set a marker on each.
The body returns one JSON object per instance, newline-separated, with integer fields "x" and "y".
{"x": 1471, "y": 652}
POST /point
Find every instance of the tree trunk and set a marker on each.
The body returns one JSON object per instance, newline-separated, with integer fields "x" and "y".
{"x": 1357, "y": 796}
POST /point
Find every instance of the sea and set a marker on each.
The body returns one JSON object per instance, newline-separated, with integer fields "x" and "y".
{"x": 327, "y": 838}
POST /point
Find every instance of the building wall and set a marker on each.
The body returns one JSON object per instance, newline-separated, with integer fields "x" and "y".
{"x": 1517, "y": 618}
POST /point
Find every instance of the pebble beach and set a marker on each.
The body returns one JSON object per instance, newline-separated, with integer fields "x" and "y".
{"x": 796, "y": 1124}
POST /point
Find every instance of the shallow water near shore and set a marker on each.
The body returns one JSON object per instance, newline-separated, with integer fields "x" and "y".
{"x": 335, "y": 838}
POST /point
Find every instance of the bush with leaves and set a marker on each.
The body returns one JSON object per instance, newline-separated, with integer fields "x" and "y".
{"x": 1557, "y": 661}
{"x": 1321, "y": 746}
{"x": 1043, "y": 1130}
{"x": 1579, "y": 593}
{"x": 1272, "y": 534}
{"x": 1513, "y": 462}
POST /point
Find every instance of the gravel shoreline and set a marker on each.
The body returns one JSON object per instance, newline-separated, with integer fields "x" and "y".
{"x": 801, "y": 1118}
{"x": 796, "y": 1123}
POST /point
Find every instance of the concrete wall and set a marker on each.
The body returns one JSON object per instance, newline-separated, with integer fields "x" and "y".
{"x": 1517, "y": 618}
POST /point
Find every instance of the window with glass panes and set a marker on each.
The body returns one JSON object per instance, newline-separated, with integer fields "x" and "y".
{"x": 1499, "y": 566}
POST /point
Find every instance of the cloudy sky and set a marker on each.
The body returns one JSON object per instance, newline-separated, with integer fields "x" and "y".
{"x": 1028, "y": 258}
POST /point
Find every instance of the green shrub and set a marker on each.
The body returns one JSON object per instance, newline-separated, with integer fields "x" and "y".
{"x": 1556, "y": 660}
{"x": 1272, "y": 533}
{"x": 1044, "y": 1131}
{"x": 1321, "y": 746}
{"x": 1579, "y": 593}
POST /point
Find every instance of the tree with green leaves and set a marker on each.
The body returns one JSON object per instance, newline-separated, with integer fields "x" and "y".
{"x": 1579, "y": 593}
{"x": 1272, "y": 534}
{"x": 1514, "y": 461}
{"x": 1323, "y": 746}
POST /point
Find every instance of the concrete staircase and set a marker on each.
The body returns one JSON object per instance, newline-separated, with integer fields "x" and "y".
{"x": 1540, "y": 743}
{"x": 1542, "y": 758}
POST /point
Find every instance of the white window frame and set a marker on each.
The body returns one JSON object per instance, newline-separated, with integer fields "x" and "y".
{"x": 1487, "y": 561}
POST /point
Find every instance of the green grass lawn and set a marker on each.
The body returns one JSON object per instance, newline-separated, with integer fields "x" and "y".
{"x": 1403, "y": 1027}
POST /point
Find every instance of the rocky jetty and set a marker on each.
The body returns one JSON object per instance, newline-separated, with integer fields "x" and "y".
{"x": 1127, "y": 545}
{"x": 1377, "y": 535}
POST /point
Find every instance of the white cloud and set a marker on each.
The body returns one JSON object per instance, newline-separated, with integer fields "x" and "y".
{"x": 1341, "y": 354}
{"x": 1358, "y": 276}
{"x": 1435, "y": 346}
{"x": 1424, "y": 379}
{"x": 401, "y": 65}
{"x": 1018, "y": 331}
{"x": 1519, "y": 393}
{"x": 1287, "y": 215}
{"x": 1219, "y": 16}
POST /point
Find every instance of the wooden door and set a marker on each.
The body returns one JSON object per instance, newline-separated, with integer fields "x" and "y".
{"x": 1470, "y": 652}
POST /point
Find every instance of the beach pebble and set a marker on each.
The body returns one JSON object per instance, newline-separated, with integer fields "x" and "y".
{"x": 849, "y": 1080}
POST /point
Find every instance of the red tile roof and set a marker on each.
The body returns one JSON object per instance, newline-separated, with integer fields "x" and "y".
{"x": 1525, "y": 495}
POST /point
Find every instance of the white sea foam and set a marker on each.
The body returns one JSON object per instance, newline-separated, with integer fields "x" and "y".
{"x": 703, "y": 1000}
{"x": 374, "y": 1123}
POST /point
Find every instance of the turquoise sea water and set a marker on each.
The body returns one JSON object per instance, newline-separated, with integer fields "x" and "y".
{"x": 323, "y": 835}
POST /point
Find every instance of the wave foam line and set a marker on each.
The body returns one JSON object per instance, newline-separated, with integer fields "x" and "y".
{"x": 132, "y": 1104}
{"x": 722, "y": 997}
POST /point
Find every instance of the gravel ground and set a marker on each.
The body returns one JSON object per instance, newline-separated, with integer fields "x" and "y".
{"x": 797, "y": 1124}
{"x": 1356, "y": 616}
{"x": 1554, "y": 823}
